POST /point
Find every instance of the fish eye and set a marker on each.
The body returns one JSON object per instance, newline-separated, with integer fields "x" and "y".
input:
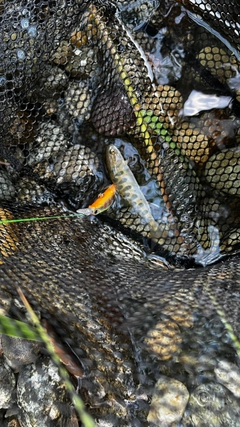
{"x": 111, "y": 150}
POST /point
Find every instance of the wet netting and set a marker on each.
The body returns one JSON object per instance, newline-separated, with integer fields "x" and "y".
{"x": 145, "y": 95}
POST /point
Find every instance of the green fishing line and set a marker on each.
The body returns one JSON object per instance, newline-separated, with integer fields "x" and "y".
{"x": 8, "y": 221}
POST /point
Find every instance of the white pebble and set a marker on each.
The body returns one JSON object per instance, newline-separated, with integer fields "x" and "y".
{"x": 170, "y": 398}
{"x": 228, "y": 375}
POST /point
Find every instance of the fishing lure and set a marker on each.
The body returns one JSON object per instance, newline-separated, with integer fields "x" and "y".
{"x": 102, "y": 203}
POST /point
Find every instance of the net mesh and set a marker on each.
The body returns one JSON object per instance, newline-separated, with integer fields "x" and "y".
{"x": 159, "y": 81}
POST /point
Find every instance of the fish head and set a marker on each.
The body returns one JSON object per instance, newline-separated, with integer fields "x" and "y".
{"x": 113, "y": 157}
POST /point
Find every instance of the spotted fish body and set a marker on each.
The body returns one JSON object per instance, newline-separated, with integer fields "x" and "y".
{"x": 127, "y": 186}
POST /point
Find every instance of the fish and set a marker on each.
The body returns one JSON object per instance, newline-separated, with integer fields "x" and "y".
{"x": 102, "y": 203}
{"x": 128, "y": 188}
{"x": 212, "y": 405}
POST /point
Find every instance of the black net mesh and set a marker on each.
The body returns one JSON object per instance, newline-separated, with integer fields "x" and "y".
{"x": 151, "y": 286}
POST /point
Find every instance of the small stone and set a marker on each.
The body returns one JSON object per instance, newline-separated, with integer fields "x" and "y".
{"x": 19, "y": 352}
{"x": 164, "y": 340}
{"x": 12, "y": 423}
{"x": 228, "y": 375}
{"x": 7, "y": 385}
{"x": 170, "y": 398}
{"x": 48, "y": 142}
{"x": 78, "y": 99}
{"x": 54, "y": 413}
{"x": 73, "y": 164}
{"x": 211, "y": 405}
{"x": 7, "y": 189}
{"x": 39, "y": 390}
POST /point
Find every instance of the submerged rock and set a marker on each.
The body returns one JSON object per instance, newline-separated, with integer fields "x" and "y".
{"x": 169, "y": 401}
{"x": 19, "y": 352}
{"x": 212, "y": 405}
{"x": 228, "y": 375}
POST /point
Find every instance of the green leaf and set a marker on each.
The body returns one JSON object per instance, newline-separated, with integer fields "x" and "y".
{"x": 15, "y": 328}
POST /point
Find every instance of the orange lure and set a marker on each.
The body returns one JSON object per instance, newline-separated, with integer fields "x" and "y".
{"x": 104, "y": 200}
{"x": 102, "y": 203}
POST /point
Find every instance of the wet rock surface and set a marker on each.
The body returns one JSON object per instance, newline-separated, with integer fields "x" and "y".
{"x": 169, "y": 401}
{"x": 32, "y": 393}
{"x": 41, "y": 396}
{"x": 7, "y": 384}
{"x": 228, "y": 375}
{"x": 19, "y": 352}
{"x": 212, "y": 405}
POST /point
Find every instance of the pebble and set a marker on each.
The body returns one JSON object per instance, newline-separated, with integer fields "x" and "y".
{"x": 29, "y": 191}
{"x": 50, "y": 139}
{"x": 19, "y": 352}
{"x": 78, "y": 98}
{"x": 11, "y": 423}
{"x": 222, "y": 171}
{"x": 170, "y": 398}
{"x": 164, "y": 340}
{"x": 38, "y": 394}
{"x": 228, "y": 375}
{"x": 212, "y": 405}
{"x": 73, "y": 164}
{"x": 7, "y": 189}
{"x": 7, "y": 384}
{"x": 180, "y": 309}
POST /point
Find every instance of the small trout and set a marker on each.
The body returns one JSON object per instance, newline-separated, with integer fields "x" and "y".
{"x": 128, "y": 188}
